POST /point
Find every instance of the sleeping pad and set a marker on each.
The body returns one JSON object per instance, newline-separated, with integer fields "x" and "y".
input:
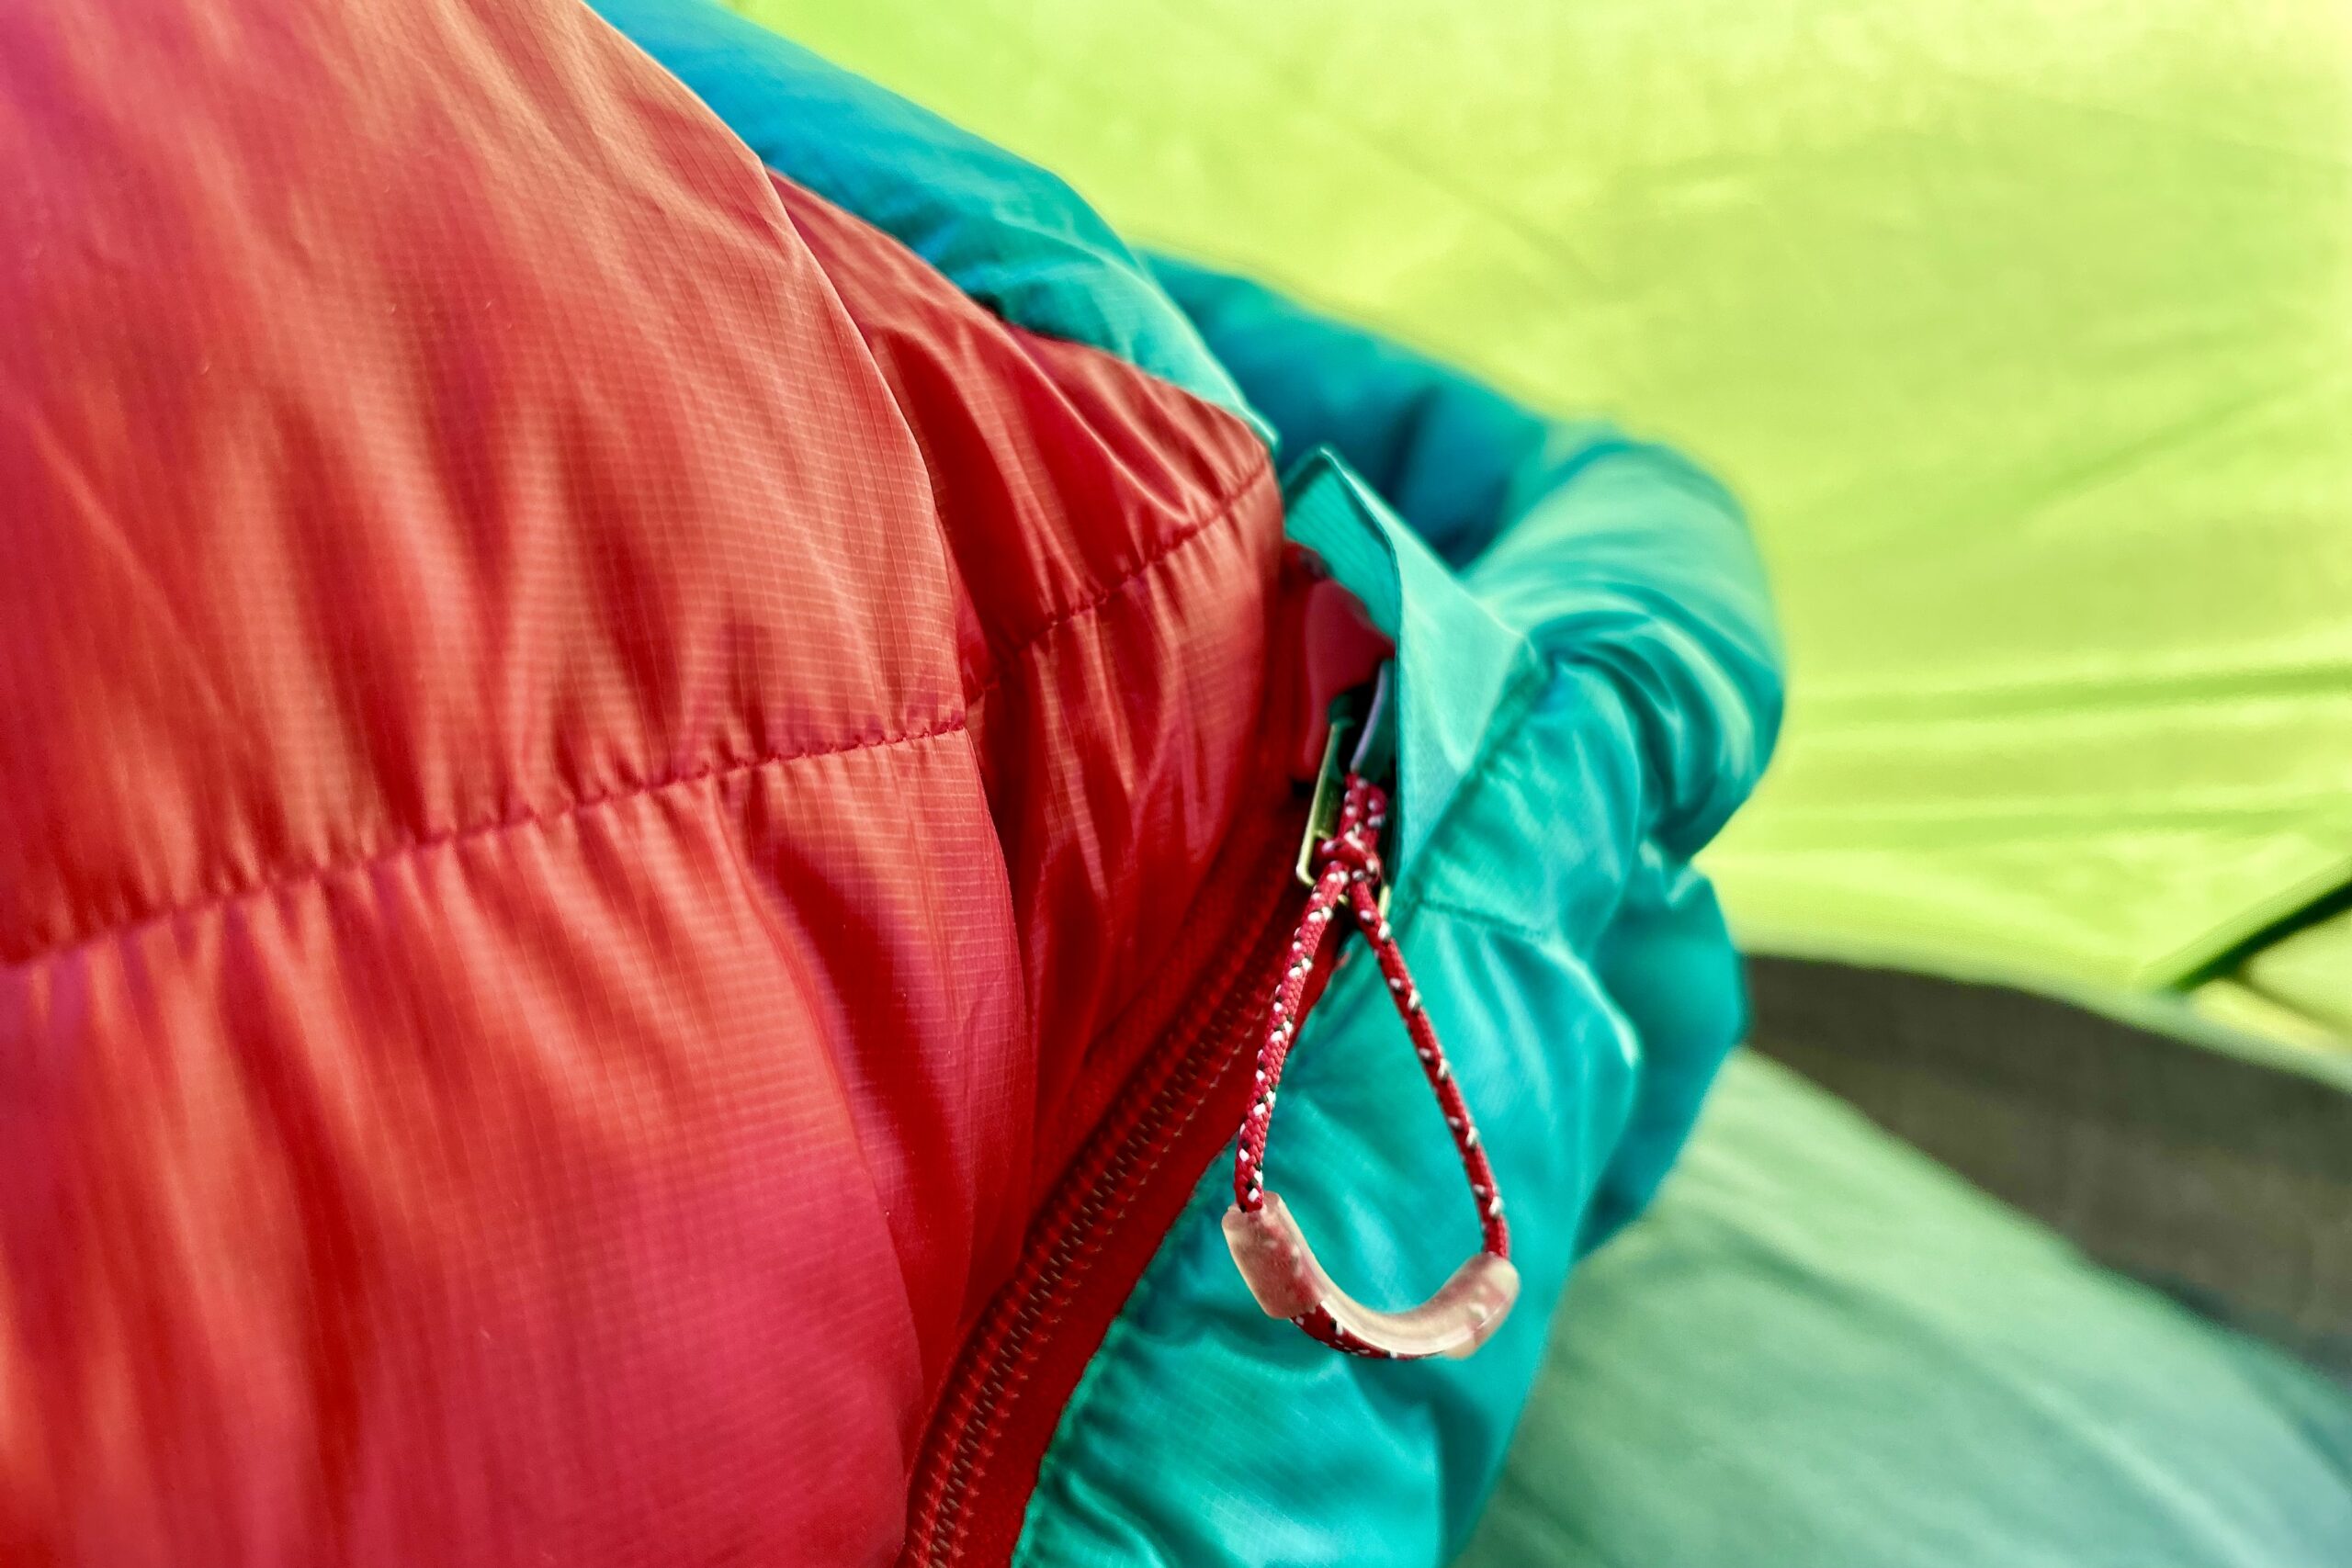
{"x": 1823, "y": 1347}
{"x": 649, "y": 811}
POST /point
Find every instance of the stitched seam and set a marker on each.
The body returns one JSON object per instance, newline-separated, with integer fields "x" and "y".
{"x": 1221, "y": 510}
{"x": 528, "y": 818}
{"x": 1023, "y": 333}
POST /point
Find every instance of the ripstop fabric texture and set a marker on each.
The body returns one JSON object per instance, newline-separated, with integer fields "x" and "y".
{"x": 1012, "y": 236}
{"x": 587, "y": 739}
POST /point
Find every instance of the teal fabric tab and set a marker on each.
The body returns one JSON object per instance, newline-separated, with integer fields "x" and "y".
{"x": 1006, "y": 232}
{"x": 1454, "y": 660}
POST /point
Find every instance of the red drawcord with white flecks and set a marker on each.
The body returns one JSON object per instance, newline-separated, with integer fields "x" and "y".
{"x": 1282, "y": 1271}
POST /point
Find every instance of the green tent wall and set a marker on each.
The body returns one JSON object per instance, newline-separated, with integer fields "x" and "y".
{"x": 2021, "y": 325}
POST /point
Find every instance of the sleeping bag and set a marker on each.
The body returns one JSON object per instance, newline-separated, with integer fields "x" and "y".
{"x": 660, "y": 726}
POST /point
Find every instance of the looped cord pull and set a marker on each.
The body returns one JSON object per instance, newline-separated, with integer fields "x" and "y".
{"x": 1273, "y": 1254}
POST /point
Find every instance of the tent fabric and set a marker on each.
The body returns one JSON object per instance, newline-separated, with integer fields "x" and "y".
{"x": 2019, "y": 327}
{"x": 2310, "y": 970}
{"x": 1859, "y": 1361}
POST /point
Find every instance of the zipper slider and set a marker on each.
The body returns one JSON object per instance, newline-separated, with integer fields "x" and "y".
{"x": 1343, "y": 723}
{"x": 1359, "y": 741}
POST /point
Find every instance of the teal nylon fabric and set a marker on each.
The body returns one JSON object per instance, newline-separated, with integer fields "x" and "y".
{"x": 1593, "y": 545}
{"x": 1583, "y": 703}
{"x": 1455, "y": 663}
{"x": 1013, "y": 237}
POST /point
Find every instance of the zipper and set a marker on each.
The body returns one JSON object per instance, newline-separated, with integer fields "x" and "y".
{"x": 1108, "y": 1213}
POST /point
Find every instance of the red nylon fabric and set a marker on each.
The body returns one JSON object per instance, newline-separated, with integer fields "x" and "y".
{"x": 583, "y": 744}
{"x": 1115, "y": 644}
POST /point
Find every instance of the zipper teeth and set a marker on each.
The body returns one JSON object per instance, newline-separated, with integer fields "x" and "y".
{"x": 1130, "y": 1147}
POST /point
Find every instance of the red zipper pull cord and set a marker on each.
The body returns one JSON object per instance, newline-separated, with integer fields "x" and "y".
{"x": 1273, "y": 1256}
